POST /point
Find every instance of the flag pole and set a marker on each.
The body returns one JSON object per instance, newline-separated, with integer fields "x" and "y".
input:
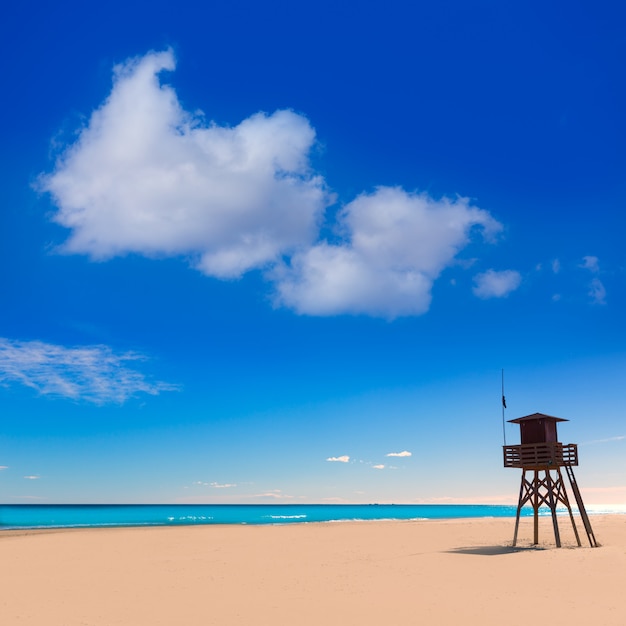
{"x": 503, "y": 407}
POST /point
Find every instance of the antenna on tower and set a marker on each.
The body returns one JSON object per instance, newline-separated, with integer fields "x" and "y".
{"x": 503, "y": 407}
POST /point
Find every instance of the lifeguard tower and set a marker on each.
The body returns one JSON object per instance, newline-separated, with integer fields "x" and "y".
{"x": 542, "y": 455}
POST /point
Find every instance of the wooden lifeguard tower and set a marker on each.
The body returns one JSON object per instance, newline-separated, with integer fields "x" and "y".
{"x": 541, "y": 454}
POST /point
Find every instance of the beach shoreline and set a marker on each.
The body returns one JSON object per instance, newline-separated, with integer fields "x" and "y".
{"x": 429, "y": 571}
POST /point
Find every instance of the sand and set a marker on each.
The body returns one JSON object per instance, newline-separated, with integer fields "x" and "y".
{"x": 430, "y": 572}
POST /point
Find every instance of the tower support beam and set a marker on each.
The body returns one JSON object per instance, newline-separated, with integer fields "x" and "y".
{"x": 544, "y": 489}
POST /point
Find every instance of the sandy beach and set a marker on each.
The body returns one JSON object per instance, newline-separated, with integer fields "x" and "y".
{"x": 418, "y": 572}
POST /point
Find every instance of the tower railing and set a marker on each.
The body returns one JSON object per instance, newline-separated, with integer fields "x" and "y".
{"x": 541, "y": 455}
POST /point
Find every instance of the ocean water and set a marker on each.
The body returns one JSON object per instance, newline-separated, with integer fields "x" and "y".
{"x": 23, "y": 516}
{"x": 67, "y": 516}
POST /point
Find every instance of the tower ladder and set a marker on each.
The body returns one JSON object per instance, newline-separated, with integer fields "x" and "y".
{"x": 581, "y": 507}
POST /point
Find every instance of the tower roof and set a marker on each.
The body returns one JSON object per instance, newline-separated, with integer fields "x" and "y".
{"x": 537, "y": 416}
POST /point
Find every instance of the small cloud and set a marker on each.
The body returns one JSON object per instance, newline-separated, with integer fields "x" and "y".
{"x": 556, "y": 297}
{"x": 597, "y": 292}
{"x": 556, "y": 266}
{"x": 339, "y": 459}
{"x": 32, "y": 477}
{"x": 466, "y": 264}
{"x": 590, "y": 263}
{"x": 3, "y": 467}
{"x": 403, "y": 453}
{"x": 494, "y": 284}
{"x": 607, "y": 440}
{"x": 92, "y": 373}
{"x": 380, "y": 466}
{"x": 276, "y": 494}
{"x": 215, "y": 485}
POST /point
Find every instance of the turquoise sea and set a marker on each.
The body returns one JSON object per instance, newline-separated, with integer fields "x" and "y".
{"x": 18, "y": 516}
{"x": 62, "y": 516}
{"x": 23, "y": 516}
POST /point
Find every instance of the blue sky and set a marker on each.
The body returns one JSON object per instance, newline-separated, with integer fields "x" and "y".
{"x": 281, "y": 252}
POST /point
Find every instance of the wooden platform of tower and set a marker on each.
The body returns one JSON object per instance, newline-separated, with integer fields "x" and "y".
{"x": 542, "y": 456}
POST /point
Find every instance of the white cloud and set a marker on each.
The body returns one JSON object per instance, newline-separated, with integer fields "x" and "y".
{"x": 395, "y": 245}
{"x": 148, "y": 177}
{"x": 607, "y": 440}
{"x": 92, "y": 373}
{"x": 403, "y": 453}
{"x": 32, "y": 477}
{"x": 3, "y": 467}
{"x": 214, "y": 485}
{"x": 591, "y": 263}
{"x": 339, "y": 459}
{"x": 274, "y": 493}
{"x": 494, "y": 284}
{"x": 145, "y": 176}
{"x": 597, "y": 292}
{"x": 556, "y": 266}
{"x": 380, "y": 466}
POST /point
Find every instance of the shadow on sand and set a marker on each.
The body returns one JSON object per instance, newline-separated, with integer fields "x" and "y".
{"x": 494, "y": 550}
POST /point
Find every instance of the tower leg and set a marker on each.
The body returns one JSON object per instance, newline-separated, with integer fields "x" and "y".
{"x": 552, "y": 503}
{"x": 520, "y": 503}
{"x": 535, "y": 503}
{"x": 581, "y": 507}
{"x": 562, "y": 496}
